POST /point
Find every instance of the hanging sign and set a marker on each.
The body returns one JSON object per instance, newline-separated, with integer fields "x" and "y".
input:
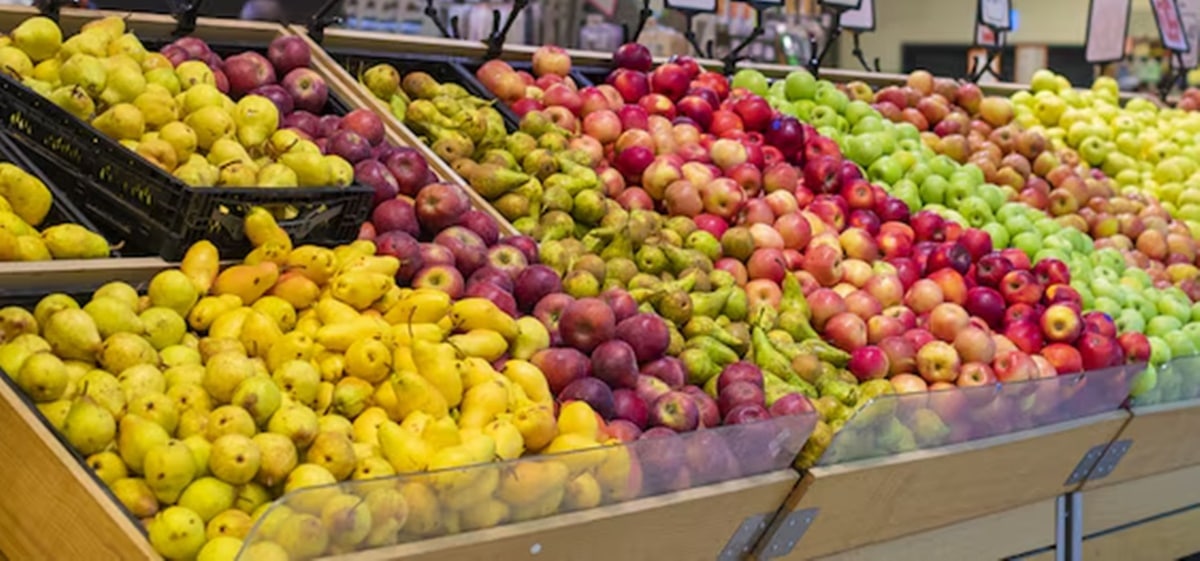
{"x": 1189, "y": 11}
{"x": 1170, "y": 25}
{"x": 842, "y": 4}
{"x": 996, "y": 14}
{"x": 862, "y": 18}
{"x": 1108, "y": 25}
{"x": 987, "y": 37}
{"x": 706, "y": 6}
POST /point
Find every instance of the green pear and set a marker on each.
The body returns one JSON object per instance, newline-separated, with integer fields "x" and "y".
{"x": 123, "y": 85}
{"x": 303, "y": 536}
{"x": 108, "y": 466}
{"x": 43, "y": 377}
{"x": 72, "y": 334}
{"x": 195, "y": 73}
{"x": 50, "y": 305}
{"x": 257, "y": 118}
{"x": 298, "y": 423}
{"x": 55, "y": 412}
{"x": 123, "y": 351}
{"x": 210, "y": 124}
{"x": 177, "y": 354}
{"x": 156, "y": 407}
{"x": 208, "y": 497}
{"x": 192, "y": 422}
{"x": 113, "y": 316}
{"x": 122, "y": 121}
{"x": 227, "y": 150}
{"x": 157, "y": 107}
{"x": 136, "y": 437}
{"x": 177, "y": 533}
{"x": 140, "y": 380}
{"x": 251, "y": 496}
{"x": 234, "y": 459}
{"x": 299, "y": 380}
{"x": 224, "y": 372}
{"x": 169, "y": 468}
{"x": 119, "y": 291}
{"x": 190, "y": 397}
{"x": 173, "y": 290}
{"x": 89, "y": 427}
{"x": 86, "y": 72}
{"x": 278, "y": 458}
{"x": 220, "y": 548}
{"x": 163, "y": 327}
{"x": 232, "y": 523}
{"x": 229, "y": 419}
{"x": 75, "y": 100}
{"x": 136, "y": 496}
{"x": 105, "y": 390}
{"x": 39, "y": 37}
{"x": 312, "y": 170}
{"x": 348, "y": 519}
{"x": 200, "y": 448}
{"x": 238, "y": 174}
{"x": 259, "y": 396}
{"x": 383, "y": 80}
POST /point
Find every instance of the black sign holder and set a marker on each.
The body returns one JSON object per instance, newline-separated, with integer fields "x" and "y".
{"x": 835, "y": 31}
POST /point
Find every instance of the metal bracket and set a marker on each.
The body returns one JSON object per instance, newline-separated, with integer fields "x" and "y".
{"x": 1108, "y": 462}
{"x": 1085, "y": 465}
{"x": 324, "y": 17}
{"x": 788, "y": 533}
{"x": 185, "y": 14}
{"x": 744, "y": 538}
{"x": 52, "y": 8}
{"x": 1068, "y": 527}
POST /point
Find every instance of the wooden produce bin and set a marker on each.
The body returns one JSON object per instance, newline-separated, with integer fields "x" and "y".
{"x": 54, "y": 508}
{"x": 1151, "y": 518}
{"x": 994, "y": 449}
{"x": 346, "y": 85}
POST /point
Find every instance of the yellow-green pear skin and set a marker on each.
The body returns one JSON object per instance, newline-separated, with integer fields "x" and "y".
{"x": 224, "y": 372}
{"x": 221, "y": 548}
{"x": 260, "y": 397}
{"x": 89, "y": 428}
{"x": 168, "y": 469}
{"x": 208, "y": 497}
{"x": 173, "y": 289}
{"x": 234, "y": 459}
{"x": 72, "y": 241}
{"x": 50, "y": 305}
{"x": 164, "y": 327}
{"x": 232, "y": 523}
{"x": 176, "y": 533}
{"x": 113, "y": 316}
{"x": 29, "y": 198}
{"x": 16, "y": 321}
{"x": 39, "y": 37}
{"x": 105, "y": 389}
{"x": 278, "y": 455}
{"x": 55, "y": 412}
{"x": 72, "y": 335}
{"x": 108, "y": 466}
{"x": 157, "y": 408}
{"x": 348, "y": 519}
{"x": 43, "y": 377}
{"x": 136, "y": 496}
{"x": 123, "y": 351}
{"x": 136, "y": 437}
{"x": 303, "y": 536}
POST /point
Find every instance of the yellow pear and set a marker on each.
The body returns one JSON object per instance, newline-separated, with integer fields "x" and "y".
{"x": 259, "y": 396}
{"x": 136, "y": 496}
{"x": 164, "y": 327}
{"x": 298, "y": 423}
{"x": 176, "y": 533}
{"x": 122, "y": 351}
{"x": 229, "y": 419}
{"x": 334, "y": 452}
{"x": 43, "y": 377}
{"x": 174, "y": 290}
{"x": 72, "y": 241}
{"x": 72, "y": 334}
{"x": 169, "y": 468}
{"x": 224, "y": 372}
{"x": 278, "y": 457}
{"x": 156, "y": 407}
{"x": 136, "y": 437}
{"x": 234, "y": 459}
{"x": 108, "y": 466}
{"x": 208, "y": 497}
{"x": 39, "y": 37}
{"x": 230, "y": 524}
{"x": 113, "y": 316}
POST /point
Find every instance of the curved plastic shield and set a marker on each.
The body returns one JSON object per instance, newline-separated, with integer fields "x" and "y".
{"x": 1176, "y": 380}
{"x": 897, "y": 423}
{"x": 365, "y": 514}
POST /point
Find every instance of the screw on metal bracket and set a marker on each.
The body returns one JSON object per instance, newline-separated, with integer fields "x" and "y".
{"x": 1085, "y": 465}
{"x": 1108, "y": 462}
{"x": 789, "y": 532}
{"x": 744, "y": 538}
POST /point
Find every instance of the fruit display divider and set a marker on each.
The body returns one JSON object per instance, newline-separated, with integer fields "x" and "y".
{"x": 346, "y": 85}
{"x": 1153, "y": 517}
{"x": 56, "y": 508}
{"x": 152, "y": 211}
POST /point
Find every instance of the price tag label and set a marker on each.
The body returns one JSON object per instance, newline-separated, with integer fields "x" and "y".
{"x": 985, "y": 36}
{"x": 996, "y": 14}
{"x": 842, "y": 4}
{"x": 1170, "y": 25}
{"x": 861, "y": 19}
{"x": 707, "y": 6}
{"x": 1108, "y": 24}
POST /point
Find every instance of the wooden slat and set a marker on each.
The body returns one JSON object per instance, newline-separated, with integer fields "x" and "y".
{"x": 690, "y": 525}
{"x": 48, "y": 276}
{"x": 1115, "y": 505}
{"x": 995, "y": 536}
{"x": 881, "y": 499}
{"x": 347, "y": 86}
{"x": 52, "y": 508}
{"x": 1161, "y": 539}
{"x": 1164, "y": 438}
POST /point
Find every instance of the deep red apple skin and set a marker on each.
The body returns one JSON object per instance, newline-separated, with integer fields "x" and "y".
{"x": 586, "y": 323}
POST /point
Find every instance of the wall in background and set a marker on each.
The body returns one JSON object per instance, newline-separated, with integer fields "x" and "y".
{"x": 1055, "y": 22}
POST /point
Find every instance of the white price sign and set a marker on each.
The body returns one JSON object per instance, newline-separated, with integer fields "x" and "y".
{"x": 861, "y": 19}
{"x": 842, "y": 4}
{"x": 1189, "y": 11}
{"x": 1108, "y": 25}
{"x": 996, "y": 14}
{"x": 1170, "y": 25}
{"x": 708, "y": 6}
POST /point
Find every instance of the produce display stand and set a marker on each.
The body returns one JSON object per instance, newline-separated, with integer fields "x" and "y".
{"x": 982, "y": 465}
{"x": 56, "y": 509}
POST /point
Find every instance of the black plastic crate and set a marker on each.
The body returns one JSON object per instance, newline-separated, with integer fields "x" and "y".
{"x": 152, "y": 211}
{"x": 62, "y": 210}
{"x": 443, "y": 69}
{"x": 594, "y": 75}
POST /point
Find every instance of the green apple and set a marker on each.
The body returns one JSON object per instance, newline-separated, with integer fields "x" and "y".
{"x": 993, "y": 195}
{"x": 885, "y": 170}
{"x": 1019, "y": 224}
{"x": 863, "y": 149}
{"x": 1143, "y": 382}
{"x": 1105, "y": 288}
{"x": 943, "y": 166}
{"x": 823, "y": 116}
{"x": 908, "y": 192}
{"x": 1160, "y": 351}
{"x": 800, "y": 84}
{"x": 1116, "y": 162}
{"x": 832, "y": 98}
{"x": 1193, "y": 331}
{"x": 868, "y": 124}
{"x": 907, "y": 131}
{"x": 1057, "y": 243}
{"x": 1094, "y": 150}
{"x": 1109, "y": 258}
{"x": 1181, "y": 343}
{"x": 933, "y": 189}
{"x": 1108, "y": 306}
{"x": 1029, "y": 242}
{"x": 1161, "y": 326}
{"x": 1177, "y": 309}
{"x": 1050, "y": 253}
{"x": 1195, "y": 312}
{"x": 801, "y": 109}
{"x": 1085, "y": 294}
{"x": 974, "y": 210}
{"x": 856, "y": 110}
{"x": 1047, "y": 226}
{"x": 752, "y": 80}
{"x": 1043, "y": 81}
{"x": 918, "y": 172}
{"x": 1008, "y": 212}
{"x": 1130, "y": 320}
{"x": 999, "y": 234}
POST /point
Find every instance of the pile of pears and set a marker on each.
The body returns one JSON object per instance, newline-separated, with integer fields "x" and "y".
{"x": 216, "y": 391}
{"x": 525, "y": 174}
{"x": 174, "y": 117}
{"x": 24, "y": 203}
